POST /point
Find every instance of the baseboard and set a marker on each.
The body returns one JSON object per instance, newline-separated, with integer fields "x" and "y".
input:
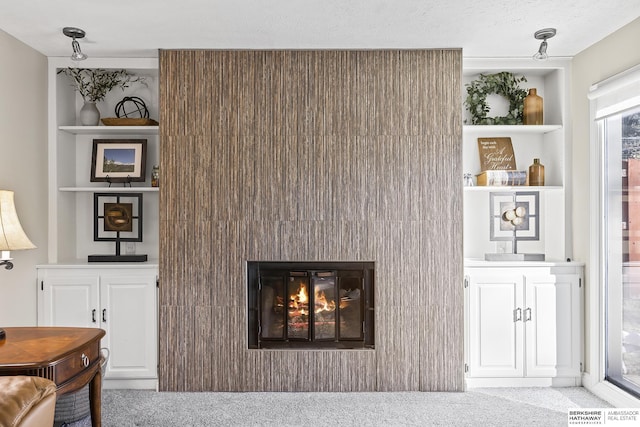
{"x": 522, "y": 382}
{"x": 133, "y": 384}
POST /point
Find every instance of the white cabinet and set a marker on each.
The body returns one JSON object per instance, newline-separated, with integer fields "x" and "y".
{"x": 122, "y": 300}
{"x": 523, "y": 323}
{"x": 495, "y": 337}
{"x": 68, "y": 298}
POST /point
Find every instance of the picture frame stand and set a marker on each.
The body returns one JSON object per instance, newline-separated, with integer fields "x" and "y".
{"x": 125, "y": 184}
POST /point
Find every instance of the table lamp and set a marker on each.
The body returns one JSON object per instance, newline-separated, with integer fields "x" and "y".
{"x": 12, "y": 236}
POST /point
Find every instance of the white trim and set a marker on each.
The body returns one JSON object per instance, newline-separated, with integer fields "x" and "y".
{"x": 593, "y": 378}
{"x": 594, "y": 327}
{"x": 130, "y": 384}
{"x": 612, "y": 394}
{"x": 471, "y": 383}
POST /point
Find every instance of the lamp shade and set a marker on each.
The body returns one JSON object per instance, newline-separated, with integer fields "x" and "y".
{"x": 12, "y": 236}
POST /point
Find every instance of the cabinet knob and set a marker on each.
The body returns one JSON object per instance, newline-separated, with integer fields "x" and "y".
{"x": 85, "y": 360}
{"x": 93, "y": 315}
{"x": 527, "y": 314}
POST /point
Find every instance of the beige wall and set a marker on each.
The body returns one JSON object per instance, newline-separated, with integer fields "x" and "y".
{"x": 23, "y": 169}
{"x": 610, "y": 56}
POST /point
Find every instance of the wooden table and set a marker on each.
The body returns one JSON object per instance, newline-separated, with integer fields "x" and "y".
{"x": 70, "y": 357}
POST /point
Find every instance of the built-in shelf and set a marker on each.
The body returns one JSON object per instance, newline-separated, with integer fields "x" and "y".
{"x": 510, "y": 129}
{"x": 110, "y": 130}
{"x": 547, "y": 142}
{"x": 110, "y": 189}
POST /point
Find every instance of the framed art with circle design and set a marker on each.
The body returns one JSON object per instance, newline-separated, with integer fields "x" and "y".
{"x": 117, "y": 218}
{"x": 514, "y": 217}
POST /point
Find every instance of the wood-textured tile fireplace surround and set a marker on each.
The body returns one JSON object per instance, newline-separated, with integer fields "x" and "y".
{"x": 311, "y": 156}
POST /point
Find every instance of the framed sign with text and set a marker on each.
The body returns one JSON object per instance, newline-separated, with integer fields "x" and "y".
{"x": 496, "y": 154}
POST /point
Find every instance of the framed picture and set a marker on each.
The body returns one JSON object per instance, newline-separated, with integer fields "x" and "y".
{"x": 118, "y": 160}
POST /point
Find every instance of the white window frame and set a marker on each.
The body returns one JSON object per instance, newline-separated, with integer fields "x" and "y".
{"x": 605, "y": 97}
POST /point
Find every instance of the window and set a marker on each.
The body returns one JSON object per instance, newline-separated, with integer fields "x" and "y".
{"x": 617, "y": 115}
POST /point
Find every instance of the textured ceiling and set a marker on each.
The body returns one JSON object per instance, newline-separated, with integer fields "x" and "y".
{"x": 487, "y": 28}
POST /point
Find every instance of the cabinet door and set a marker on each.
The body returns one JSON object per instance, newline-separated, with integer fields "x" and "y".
{"x": 129, "y": 316}
{"x": 552, "y": 325}
{"x": 495, "y": 325}
{"x": 69, "y": 299}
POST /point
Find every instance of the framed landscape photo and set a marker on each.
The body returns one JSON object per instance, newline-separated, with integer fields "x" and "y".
{"x": 118, "y": 160}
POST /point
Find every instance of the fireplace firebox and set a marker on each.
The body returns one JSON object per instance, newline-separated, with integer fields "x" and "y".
{"x": 308, "y": 305}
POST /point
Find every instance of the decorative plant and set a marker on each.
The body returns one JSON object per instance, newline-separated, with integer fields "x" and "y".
{"x": 93, "y": 84}
{"x": 503, "y": 83}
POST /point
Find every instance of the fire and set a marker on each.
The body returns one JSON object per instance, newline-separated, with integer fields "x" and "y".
{"x": 300, "y": 300}
{"x": 299, "y": 303}
{"x": 301, "y": 297}
{"x": 322, "y": 304}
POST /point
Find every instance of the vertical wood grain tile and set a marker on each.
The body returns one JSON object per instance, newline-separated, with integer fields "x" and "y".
{"x": 311, "y": 155}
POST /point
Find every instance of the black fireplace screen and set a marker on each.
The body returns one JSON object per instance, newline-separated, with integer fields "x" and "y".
{"x": 310, "y": 305}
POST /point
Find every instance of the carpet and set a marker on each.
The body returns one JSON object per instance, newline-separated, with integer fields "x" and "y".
{"x": 478, "y": 407}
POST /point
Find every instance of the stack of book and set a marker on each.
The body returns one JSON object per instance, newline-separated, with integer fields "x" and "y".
{"x": 502, "y": 177}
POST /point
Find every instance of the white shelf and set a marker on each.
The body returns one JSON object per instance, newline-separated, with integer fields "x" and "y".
{"x": 110, "y": 130}
{"x": 507, "y": 188}
{"x": 110, "y": 189}
{"x": 84, "y": 264}
{"x": 479, "y": 262}
{"x": 510, "y": 129}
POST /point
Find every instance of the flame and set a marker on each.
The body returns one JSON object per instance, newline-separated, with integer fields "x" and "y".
{"x": 322, "y": 304}
{"x": 302, "y": 295}
{"x": 300, "y": 300}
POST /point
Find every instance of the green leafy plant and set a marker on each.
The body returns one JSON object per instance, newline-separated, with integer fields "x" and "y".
{"x": 504, "y": 84}
{"x": 93, "y": 84}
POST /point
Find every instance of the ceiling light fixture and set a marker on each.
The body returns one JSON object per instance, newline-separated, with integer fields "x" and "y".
{"x": 75, "y": 33}
{"x": 544, "y": 34}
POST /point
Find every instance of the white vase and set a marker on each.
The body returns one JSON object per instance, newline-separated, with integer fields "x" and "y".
{"x": 89, "y": 114}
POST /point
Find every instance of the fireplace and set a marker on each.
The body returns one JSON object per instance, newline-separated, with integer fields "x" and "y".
{"x": 310, "y": 305}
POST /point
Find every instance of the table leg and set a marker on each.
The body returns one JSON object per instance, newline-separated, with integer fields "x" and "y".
{"x": 95, "y": 399}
